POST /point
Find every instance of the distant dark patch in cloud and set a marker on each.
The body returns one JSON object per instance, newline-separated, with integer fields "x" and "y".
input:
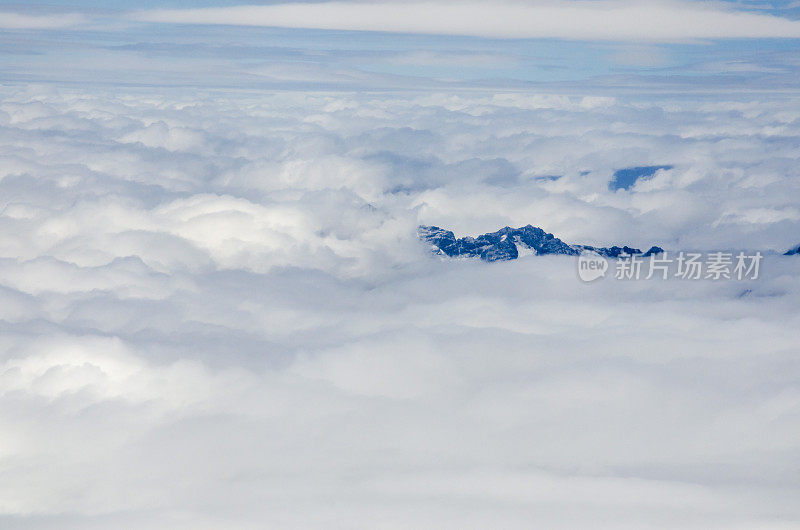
{"x": 624, "y": 179}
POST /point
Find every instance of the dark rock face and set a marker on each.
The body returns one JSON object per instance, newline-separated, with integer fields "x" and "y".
{"x": 506, "y": 244}
{"x": 496, "y": 246}
{"x": 610, "y": 252}
{"x": 654, "y": 251}
{"x": 793, "y": 252}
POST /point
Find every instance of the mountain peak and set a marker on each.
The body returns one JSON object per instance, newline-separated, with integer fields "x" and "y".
{"x": 509, "y": 243}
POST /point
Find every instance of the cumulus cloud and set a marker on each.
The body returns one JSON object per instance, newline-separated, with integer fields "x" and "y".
{"x": 605, "y": 20}
{"x": 216, "y": 313}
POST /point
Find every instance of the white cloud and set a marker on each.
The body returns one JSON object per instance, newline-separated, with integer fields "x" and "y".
{"x": 10, "y": 20}
{"x": 215, "y": 313}
{"x": 583, "y": 20}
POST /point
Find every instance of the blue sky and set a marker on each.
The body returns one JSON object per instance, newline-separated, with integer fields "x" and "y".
{"x": 108, "y": 47}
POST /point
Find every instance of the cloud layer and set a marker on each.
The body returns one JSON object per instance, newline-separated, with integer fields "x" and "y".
{"x": 584, "y": 20}
{"x": 17, "y": 21}
{"x": 216, "y": 313}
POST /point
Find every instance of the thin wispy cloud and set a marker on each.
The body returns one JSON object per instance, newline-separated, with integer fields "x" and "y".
{"x": 602, "y": 20}
{"x": 12, "y": 20}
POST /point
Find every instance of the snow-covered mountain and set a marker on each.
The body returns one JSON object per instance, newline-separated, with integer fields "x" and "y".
{"x": 510, "y": 243}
